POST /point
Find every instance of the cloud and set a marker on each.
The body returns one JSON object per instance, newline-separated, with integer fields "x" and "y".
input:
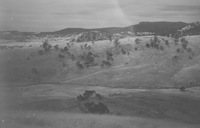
{"x": 51, "y": 15}
{"x": 184, "y": 8}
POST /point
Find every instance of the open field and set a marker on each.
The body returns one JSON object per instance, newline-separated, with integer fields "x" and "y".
{"x": 141, "y": 89}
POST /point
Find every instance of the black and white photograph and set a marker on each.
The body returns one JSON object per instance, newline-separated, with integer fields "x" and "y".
{"x": 99, "y": 63}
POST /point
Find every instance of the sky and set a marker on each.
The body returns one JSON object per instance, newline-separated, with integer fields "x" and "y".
{"x": 53, "y": 15}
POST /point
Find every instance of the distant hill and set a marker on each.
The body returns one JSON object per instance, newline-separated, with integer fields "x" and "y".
{"x": 159, "y": 28}
{"x": 141, "y": 29}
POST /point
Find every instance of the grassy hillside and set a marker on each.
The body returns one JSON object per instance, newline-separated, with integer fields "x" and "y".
{"x": 133, "y": 66}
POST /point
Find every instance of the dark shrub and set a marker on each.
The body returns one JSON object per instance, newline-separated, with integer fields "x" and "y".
{"x": 98, "y": 108}
{"x": 46, "y": 46}
{"x": 190, "y": 57}
{"x": 189, "y": 50}
{"x": 167, "y": 43}
{"x": 184, "y": 43}
{"x": 116, "y": 42}
{"x": 41, "y": 52}
{"x": 98, "y": 96}
{"x": 61, "y": 56}
{"x": 34, "y": 71}
{"x": 162, "y": 48}
{"x": 182, "y": 89}
{"x": 178, "y": 50}
{"x": 65, "y": 49}
{"x": 123, "y": 51}
{"x": 138, "y": 41}
{"x": 89, "y": 93}
{"x": 105, "y": 63}
{"x": 79, "y": 65}
{"x": 56, "y": 47}
{"x": 147, "y": 45}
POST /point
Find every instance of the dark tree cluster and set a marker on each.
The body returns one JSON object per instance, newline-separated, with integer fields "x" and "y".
{"x": 155, "y": 43}
{"x": 87, "y": 58}
{"x": 91, "y": 102}
{"x": 108, "y": 61}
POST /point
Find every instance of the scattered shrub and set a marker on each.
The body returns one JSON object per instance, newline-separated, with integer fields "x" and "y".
{"x": 109, "y": 56}
{"x": 189, "y": 50}
{"x": 65, "y": 49}
{"x": 105, "y": 63}
{"x": 41, "y": 52}
{"x": 147, "y": 45}
{"x": 79, "y": 65}
{"x": 162, "y": 48}
{"x": 138, "y": 41}
{"x": 167, "y": 43}
{"x": 116, "y": 42}
{"x": 190, "y": 57}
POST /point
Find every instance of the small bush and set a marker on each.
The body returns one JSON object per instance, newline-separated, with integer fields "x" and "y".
{"x": 189, "y": 50}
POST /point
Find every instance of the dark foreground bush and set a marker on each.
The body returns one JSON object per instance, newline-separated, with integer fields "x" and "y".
{"x": 92, "y": 102}
{"x": 99, "y": 108}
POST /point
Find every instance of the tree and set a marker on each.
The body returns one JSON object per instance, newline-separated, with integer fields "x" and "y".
{"x": 46, "y": 46}
{"x": 56, "y": 47}
{"x": 184, "y": 43}
{"x": 116, "y": 42}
